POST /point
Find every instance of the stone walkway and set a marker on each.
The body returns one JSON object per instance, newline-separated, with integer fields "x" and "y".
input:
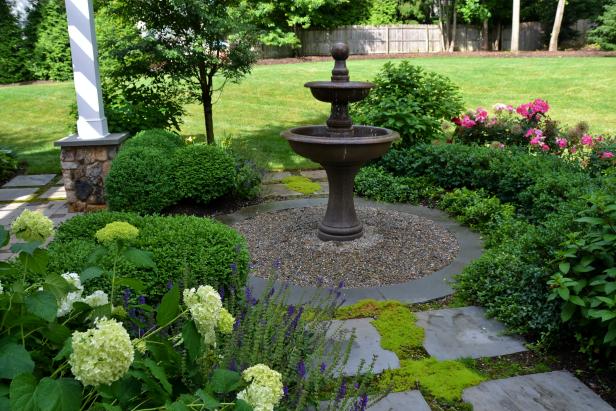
{"x": 42, "y": 192}
{"x": 274, "y": 189}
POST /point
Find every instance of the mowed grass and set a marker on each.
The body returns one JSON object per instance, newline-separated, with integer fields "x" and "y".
{"x": 250, "y": 116}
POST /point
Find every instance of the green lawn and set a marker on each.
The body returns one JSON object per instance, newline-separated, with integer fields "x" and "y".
{"x": 251, "y": 115}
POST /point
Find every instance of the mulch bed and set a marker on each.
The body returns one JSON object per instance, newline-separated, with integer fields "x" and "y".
{"x": 542, "y": 53}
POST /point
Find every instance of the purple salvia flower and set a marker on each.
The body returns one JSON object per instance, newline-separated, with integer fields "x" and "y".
{"x": 221, "y": 292}
{"x": 341, "y": 284}
{"x": 323, "y": 367}
{"x": 233, "y": 365}
{"x": 271, "y": 292}
{"x": 248, "y": 294}
{"x": 356, "y": 385}
{"x": 141, "y": 299}
{"x": 342, "y": 391}
{"x": 234, "y": 268}
{"x": 169, "y": 284}
{"x": 290, "y": 310}
{"x": 301, "y": 369}
{"x": 285, "y": 391}
{"x": 126, "y": 297}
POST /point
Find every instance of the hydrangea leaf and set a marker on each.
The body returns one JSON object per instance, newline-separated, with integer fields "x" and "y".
{"x": 14, "y": 360}
{"x": 43, "y": 304}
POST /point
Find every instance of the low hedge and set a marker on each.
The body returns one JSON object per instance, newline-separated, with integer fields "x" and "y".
{"x": 156, "y": 169}
{"x": 191, "y": 250}
{"x": 141, "y": 180}
{"x": 155, "y": 138}
{"x": 526, "y": 206}
{"x": 203, "y": 172}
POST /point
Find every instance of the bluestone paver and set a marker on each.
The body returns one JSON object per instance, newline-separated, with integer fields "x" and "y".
{"x": 17, "y": 194}
{"x": 465, "y": 332}
{"x": 275, "y": 176}
{"x": 550, "y": 391}
{"x": 396, "y": 401}
{"x": 366, "y": 346}
{"x": 35, "y": 180}
{"x": 55, "y": 193}
{"x": 320, "y": 175}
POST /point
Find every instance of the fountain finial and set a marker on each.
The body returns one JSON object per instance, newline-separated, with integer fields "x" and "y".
{"x": 340, "y": 52}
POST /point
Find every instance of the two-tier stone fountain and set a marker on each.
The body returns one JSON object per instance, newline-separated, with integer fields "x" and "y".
{"x": 340, "y": 147}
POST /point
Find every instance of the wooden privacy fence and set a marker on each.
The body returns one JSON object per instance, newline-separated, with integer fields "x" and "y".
{"x": 416, "y": 38}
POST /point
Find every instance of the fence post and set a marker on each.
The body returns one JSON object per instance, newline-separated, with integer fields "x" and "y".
{"x": 427, "y": 39}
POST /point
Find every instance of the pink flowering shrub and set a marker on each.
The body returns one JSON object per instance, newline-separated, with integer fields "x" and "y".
{"x": 529, "y": 125}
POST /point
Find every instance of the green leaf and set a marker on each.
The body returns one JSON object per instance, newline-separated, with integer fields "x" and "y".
{"x": 5, "y": 236}
{"x": 110, "y": 407}
{"x": 101, "y": 311}
{"x": 577, "y": 301}
{"x": 610, "y": 336}
{"x": 176, "y": 406}
{"x": 209, "y": 402}
{"x": 590, "y": 220}
{"x": 27, "y": 248}
{"x": 610, "y": 287}
{"x": 90, "y": 273}
{"x": 567, "y": 312}
{"x": 133, "y": 283}
{"x": 57, "y": 333}
{"x": 4, "y": 389}
{"x": 169, "y": 307}
{"x": 139, "y": 258}
{"x": 35, "y": 262}
{"x": 192, "y": 339}
{"x": 14, "y": 360}
{"x": 564, "y": 267}
{"x": 43, "y": 304}
{"x": 63, "y": 394}
{"x": 22, "y": 393}
{"x": 5, "y": 404}
{"x": 564, "y": 293}
{"x": 241, "y": 405}
{"x": 158, "y": 372}
{"x": 67, "y": 349}
{"x": 225, "y": 381}
{"x": 57, "y": 285}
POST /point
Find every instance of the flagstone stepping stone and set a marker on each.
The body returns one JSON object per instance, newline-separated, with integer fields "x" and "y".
{"x": 550, "y": 391}
{"x": 367, "y": 344}
{"x": 274, "y": 177}
{"x": 465, "y": 332}
{"x": 35, "y": 180}
{"x": 17, "y": 194}
{"x": 55, "y": 193}
{"x": 279, "y": 190}
{"x": 315, "y": 174}
{"x": 396, "y": 401}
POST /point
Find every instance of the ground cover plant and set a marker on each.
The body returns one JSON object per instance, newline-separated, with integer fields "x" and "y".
{"x": 250, "y": 115}
{"x": 196, "y": 348}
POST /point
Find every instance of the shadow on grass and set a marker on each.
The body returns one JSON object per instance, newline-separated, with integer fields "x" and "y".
{"x": 35, "y": 156}
{"x": 266, "y": 147}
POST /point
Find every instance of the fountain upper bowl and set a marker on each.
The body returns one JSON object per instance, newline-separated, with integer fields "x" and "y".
{"x": 339, "y": 91}
{"x": 361, "y": 144}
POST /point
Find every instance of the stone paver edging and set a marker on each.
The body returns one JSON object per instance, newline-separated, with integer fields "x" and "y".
{"x": 433, "y": 286}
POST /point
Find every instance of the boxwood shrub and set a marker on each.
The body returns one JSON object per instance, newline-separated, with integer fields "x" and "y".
{"x": 203, "y": 172}
{"x": 141, "y": 180}
{"x": 155, "y": 138}
{"x": 191, "y": 250}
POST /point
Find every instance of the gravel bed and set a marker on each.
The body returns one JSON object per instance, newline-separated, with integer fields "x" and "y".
{"x": 396, "y": 247}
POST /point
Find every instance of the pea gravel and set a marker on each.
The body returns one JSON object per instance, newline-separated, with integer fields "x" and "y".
{"x": 396, "y": 247}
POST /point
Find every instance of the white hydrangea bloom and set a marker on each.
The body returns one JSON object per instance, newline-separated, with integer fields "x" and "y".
{"x": 265, "y": 390}
{"x": 97, "y": 298}
{"x": 101, "y": 355}
{"x": 225, "y": 321}
{"x": 66, "y": 304}
{"x": 205, "y": 306}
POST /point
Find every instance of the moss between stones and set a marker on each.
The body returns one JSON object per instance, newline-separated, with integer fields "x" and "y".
{"x": 443, "y": 379}
{"x": 396, "y": 324}
{"x": 301, "y": 184}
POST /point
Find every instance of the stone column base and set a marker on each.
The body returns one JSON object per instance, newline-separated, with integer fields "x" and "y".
{"x": 85, "y": 164}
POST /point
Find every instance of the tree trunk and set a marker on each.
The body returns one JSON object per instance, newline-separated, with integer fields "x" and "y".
{"x": 205, "y": 81}
{"x": 560, "y": 11}
{"x": 452, "y": 43}
{"x": 515, "y": 27}
{"x": 485, "y": 34}
{"x": 499, "y": 37}
{"x": 443, "y": 20}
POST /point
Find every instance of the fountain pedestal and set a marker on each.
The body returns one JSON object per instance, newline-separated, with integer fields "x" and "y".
{"x": 340, "y": 147}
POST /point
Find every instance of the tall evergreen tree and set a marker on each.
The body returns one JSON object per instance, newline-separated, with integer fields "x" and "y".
{"x": 12, "y": 53}
{"x": 52, "y": 53}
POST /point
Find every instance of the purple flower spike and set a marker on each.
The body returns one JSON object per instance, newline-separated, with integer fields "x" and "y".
{"x": 169, "y": 284}
{"x": 221, "y": 292}
{"x": 290, "y": 310}
{"x": 323, "y": 367}
{"x": 141, "y": 299}
{"x": 301, "y": 369}
{"x": 285, "y": 391}
{"x": 234, "y": 268}
{"x": 342, "y": 391}
{"x": 126, "y": 297}
{"x": 341, "y": 284}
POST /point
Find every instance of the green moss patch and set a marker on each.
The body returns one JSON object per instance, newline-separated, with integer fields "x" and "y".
{"x": 301, "y": 184}
{"x": 395, "y": 323}
{"x": 443, "y": 379}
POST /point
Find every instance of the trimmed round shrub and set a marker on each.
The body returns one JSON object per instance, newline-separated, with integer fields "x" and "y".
{"x": 203, "y": 172}
{"x": 190, "y": 251}
{"x": 141, "y": 180}
{"x": 155, "y": 138}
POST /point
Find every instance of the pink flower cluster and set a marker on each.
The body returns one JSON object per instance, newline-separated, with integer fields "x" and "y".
{"x": 480, "y": 116}
{"x": 533, "y": 110}
{"x": 607, "y": 155}
{"x": 500, "y": 107}
{"x": 537, "y": 138}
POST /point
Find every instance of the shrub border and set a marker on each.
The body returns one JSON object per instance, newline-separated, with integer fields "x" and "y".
{"x": 431, "y": 287}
